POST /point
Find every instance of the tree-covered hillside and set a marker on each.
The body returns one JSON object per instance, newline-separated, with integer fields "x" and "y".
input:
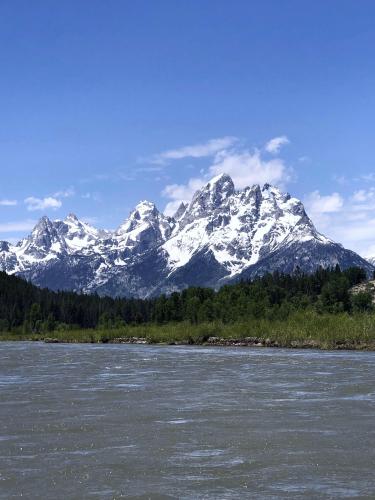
{"x": 274, "y": 297}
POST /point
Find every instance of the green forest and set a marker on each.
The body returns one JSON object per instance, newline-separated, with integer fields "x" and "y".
{"x": 274, "y": 298}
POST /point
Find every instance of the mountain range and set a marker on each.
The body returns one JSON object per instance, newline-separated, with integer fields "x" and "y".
{"x": 221, "y": 236}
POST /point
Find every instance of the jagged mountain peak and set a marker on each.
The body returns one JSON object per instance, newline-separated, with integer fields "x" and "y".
{"x": 43, "y": 224}
{"x": 221, "y": 235}
{"x": 221, "y": 181}
{"x": 145, "y": 228}
{"x": 238, "y": 227}
{"x": 71, "y": 217}
{"x": 145, "y": 212}
{"x": 273, "y": 199}
{"x": 269, "y": 190}
{"x": 216, "y": 189}
{"x": 43, "y": 240}
{"x": 77, "y": 234}
{"x": 210, "y": 196}
{"x": 180, "y": 211}
{"x": 145, "y": 208}
{"x": 72, "y": 224}
{"x": 43, "y": 228}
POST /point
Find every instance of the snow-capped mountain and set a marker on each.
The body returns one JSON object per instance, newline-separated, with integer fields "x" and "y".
{"x": 144, "y": 228}
{"x": 221, "y": 236}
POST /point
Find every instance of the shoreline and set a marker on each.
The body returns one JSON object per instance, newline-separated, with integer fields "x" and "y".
{"x": 257, "y": 342}
{"x": 254, "y": 342}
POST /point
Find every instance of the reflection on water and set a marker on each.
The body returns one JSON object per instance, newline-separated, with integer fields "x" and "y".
{"x": 118, "y": 421}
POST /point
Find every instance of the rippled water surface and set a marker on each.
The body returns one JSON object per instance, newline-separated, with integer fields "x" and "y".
{"x": 125, "y": 421}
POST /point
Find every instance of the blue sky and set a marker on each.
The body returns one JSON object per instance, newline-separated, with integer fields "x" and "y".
{"x": 107, "y": 103}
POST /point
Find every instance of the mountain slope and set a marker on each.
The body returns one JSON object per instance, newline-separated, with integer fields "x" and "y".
{"x": 223, "y": 235}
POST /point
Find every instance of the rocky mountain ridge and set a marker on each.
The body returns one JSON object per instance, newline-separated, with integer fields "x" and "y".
{"x": 220, "y": 236}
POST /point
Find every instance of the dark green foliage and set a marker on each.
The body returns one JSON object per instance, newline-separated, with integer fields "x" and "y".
{"x": 274, "y": 297}
{"x": 362, "y": 301}
{"x": 335, "y": 294}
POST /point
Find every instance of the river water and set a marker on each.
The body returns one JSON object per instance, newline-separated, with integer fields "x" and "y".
{"x": 128, "y": 421}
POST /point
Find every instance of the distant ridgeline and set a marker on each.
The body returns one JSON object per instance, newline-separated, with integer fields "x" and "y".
{"x": 273, "y": 296}
{"x": 221, "y": 237}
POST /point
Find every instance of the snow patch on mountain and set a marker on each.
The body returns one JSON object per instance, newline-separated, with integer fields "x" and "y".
{"x": 239, "y": 227}
{"x": 221, "y": 235}
{"x": 145, "y": 227}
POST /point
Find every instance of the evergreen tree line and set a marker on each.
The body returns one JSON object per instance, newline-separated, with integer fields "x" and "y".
{"x": 273, "y": 296}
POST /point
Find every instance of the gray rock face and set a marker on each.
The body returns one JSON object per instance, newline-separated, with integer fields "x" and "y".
{"x": 223, "y": 235}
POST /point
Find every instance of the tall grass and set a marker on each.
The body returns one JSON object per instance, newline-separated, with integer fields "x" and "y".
{"x": 324, "y": 331}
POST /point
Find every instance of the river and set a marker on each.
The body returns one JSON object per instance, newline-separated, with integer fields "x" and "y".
{"x": 134, "y": 421}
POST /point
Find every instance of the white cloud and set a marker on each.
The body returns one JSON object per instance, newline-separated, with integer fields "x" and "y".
{"x": 354, "y": 231}
{"x": 340, "y": 179}
{"x": 8, "y": 203}
{"x": 150, "y": 168}
{"x": 13, "y": 227}
{"x": 65, "y": 193}
{"x": 364, "y": 199}
{"x": 244, "y": 166}
{"x": 323, "y": 210}
{"x": 350, "y": 221}
{"x": 274, "y": 145}
{"x": 180, "y": 193}
{"x": 304, "y": 159}
{"x": 203, "y": 150}
{"x": 95, "y": 196}
{"x": 318, "y": 204}
{"x": 33, "y": 203}
{"x": 247, "y": 168}
{"x": 171, "y": 207}
{"x": 368, "y": 177}
{"x": 360, "y": 196}
{"x": 53, "y": 201}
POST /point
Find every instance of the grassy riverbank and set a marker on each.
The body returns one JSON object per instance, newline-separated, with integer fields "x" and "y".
{"x": 309, "y": 329}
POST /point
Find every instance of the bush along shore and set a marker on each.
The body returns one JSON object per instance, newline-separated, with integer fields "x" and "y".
{"x": 301, "y": 330}
{"x": 330, "y": 309}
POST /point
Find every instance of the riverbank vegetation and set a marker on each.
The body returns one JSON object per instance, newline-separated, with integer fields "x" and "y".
{"x": 317, "y": 310}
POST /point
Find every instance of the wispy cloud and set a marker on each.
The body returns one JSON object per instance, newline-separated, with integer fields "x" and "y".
{"x": 348, "y": 220}
{"x": 52, "y": 201}
{"x": 304, "y": 159}
{"x": 150, "y": 168}
{"x": 246, "y": 167}
{"x": 178, "y": 193}
{"x": 65, "y": 193}
{"x": 17, "y": 226}
{"x": 274, "y": 145}
{"x": 202, "y": 150}
{"x": 368, "y": 177}
{"x": 8, "y": 203}
{"x": 94, "y": 196}
{"x": 340, "y": 179}
{"x": 115, "y": 176}
{"x": 32, "y": 203}
{"x": 364, "y": 195}
{"x": 321, "y": 204}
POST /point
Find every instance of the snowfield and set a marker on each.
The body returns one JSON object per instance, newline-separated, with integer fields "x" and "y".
{"x": 221, "y": 236}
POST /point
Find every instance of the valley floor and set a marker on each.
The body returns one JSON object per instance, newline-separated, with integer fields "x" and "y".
{"x": 302, "y": 330}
